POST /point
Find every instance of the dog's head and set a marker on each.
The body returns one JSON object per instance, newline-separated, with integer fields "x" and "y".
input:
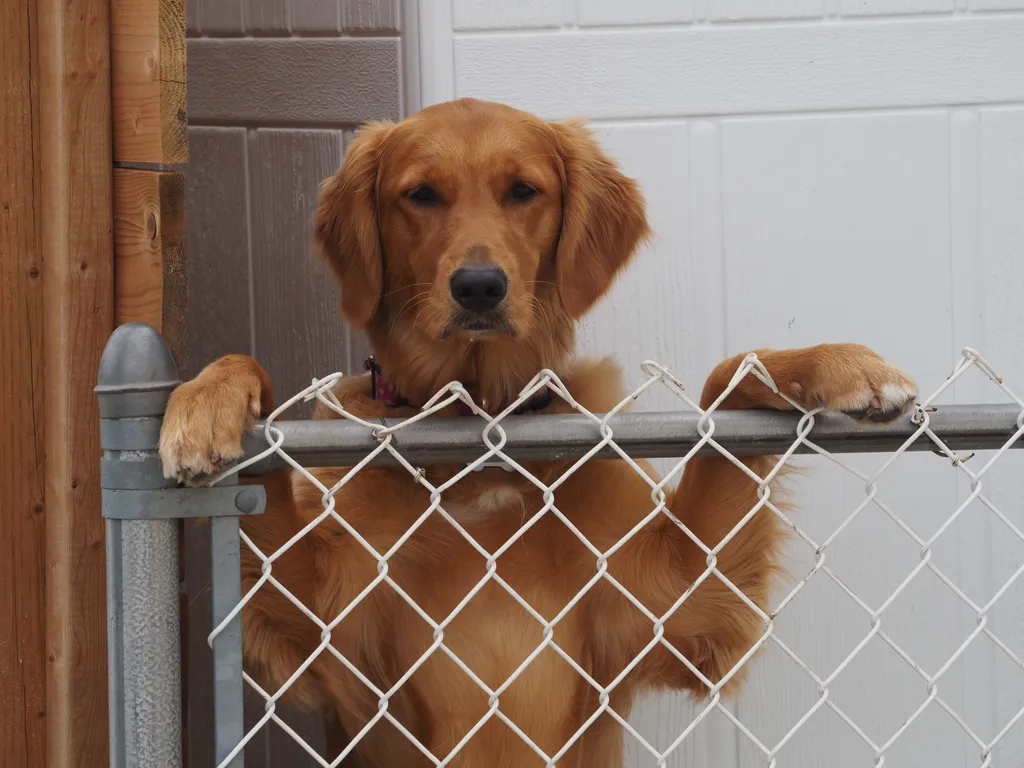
{"x": 474, "y": 222}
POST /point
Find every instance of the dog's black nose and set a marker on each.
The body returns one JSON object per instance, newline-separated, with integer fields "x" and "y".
{"x": 478, "y": 287}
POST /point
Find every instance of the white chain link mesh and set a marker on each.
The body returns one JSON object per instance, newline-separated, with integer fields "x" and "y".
{"x": 822, "y": 679}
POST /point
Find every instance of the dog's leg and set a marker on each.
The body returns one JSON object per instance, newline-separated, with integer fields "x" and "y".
{"x": 714, "y": 628}
{"x": 202, "y": 432}
{"x": 207, "y": 416}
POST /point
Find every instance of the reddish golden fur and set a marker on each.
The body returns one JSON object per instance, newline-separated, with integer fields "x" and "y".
{"x": 561, "y": 251}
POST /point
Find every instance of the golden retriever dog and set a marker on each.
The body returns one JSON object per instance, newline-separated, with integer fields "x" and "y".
{"x": 468, "y": 240}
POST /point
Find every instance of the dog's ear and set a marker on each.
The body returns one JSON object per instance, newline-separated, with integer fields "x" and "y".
{"x": 346, "y": 227}
{"x": 604, "y": 219}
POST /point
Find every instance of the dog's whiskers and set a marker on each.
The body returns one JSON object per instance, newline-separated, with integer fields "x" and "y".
{"x": 418, "y": 298}
{"x": 404, "y": 288}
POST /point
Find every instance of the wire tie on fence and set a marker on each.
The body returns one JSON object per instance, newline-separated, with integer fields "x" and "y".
{"x": 918, "y": 417}
{"x": 316, "y": 386}
{"x": 959, "y": 460}
{"x": 378, "y": 434}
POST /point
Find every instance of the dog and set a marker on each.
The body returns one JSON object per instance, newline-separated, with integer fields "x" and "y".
{"x": 468, "y": 240}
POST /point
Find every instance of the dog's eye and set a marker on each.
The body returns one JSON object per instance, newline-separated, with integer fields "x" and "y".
{"x": 424, "y": 194}
{"x": 520, "y": 192}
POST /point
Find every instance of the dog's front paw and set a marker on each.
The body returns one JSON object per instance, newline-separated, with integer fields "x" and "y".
{"x": 204, "y": 424}
{"x": 858, "y": 382}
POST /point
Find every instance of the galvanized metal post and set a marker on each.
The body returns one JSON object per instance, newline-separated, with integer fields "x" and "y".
{"x": 136, "y": 376}
{"x": 226, "y": 593}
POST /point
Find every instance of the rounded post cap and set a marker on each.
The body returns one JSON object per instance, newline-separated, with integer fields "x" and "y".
{"x": 136, "y": 359}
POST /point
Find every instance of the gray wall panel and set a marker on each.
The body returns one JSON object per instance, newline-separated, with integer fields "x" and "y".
{"x": 285, "y": 751}
{"x": 316, "y": 16}
{"x": 218, "y": 245}
{"x": 370, "y": 14}
{"x": 298, "y": 80}
{"x": 198, "y": 659}
{"x": 299, "y": 331}
{"x": 192, "y": 18}
{"x": 270, "y": 18}
{"x": 217, "y": 18}
{"x": 266, "y": 17}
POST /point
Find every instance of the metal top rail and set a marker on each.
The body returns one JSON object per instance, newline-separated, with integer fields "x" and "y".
{"x": 337, "y": 442}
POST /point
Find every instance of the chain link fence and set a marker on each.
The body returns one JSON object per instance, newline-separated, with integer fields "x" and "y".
{"x": 142, "y": 508}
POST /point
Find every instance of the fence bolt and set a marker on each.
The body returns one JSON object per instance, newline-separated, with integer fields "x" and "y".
{"x": 247, "y": 501}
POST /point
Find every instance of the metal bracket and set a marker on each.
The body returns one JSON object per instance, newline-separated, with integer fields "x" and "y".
{"x": 176, "y": 503}
{"x": 494, "y": 464}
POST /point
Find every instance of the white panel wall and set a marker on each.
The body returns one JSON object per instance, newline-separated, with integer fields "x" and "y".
{"x": 816, "y": 170}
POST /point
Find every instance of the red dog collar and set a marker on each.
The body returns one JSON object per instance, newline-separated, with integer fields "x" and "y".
{"x": 384, "y": 390}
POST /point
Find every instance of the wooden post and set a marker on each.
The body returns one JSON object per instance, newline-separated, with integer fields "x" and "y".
{"x": 22, "y": 593}
{"x": 150, "y": 149}
{"x": 149, "y": 248}
{"x": 75, "y": 185}
{"x": 57, "y": 308}
{"x": 148, "y": 49}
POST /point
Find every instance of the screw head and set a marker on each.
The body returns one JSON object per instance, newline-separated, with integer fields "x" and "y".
{"x": 246, "y": 501}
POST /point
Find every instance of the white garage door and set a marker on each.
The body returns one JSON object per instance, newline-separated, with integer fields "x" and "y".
{"x": 817, "y": 170}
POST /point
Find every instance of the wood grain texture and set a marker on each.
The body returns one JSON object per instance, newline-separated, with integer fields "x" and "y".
{"x": 218, "y": 245}
{"x": 148, "y": 57}
{"x": 316, "y": 17}
{"x": 218, "y": 17}
{"x": 266, "y": 17}
{"x": 365, "y": 15}
{"x": 299, "y": 330}
{"x": 150, "y": 263}
{"x": 326, "y": 81}
{"x": 192, "y": 25}
{"x": 75, "y": 183}
{"x": 22, "y": 590}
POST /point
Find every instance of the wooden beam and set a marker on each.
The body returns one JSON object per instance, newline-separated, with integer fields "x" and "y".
{"x": 150, "y": 128}
{"x": 75, "y": 184}
{"x": 151, "y": 272}
{"x": 148, "y": 81}
{"x": 22, "y": 572}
